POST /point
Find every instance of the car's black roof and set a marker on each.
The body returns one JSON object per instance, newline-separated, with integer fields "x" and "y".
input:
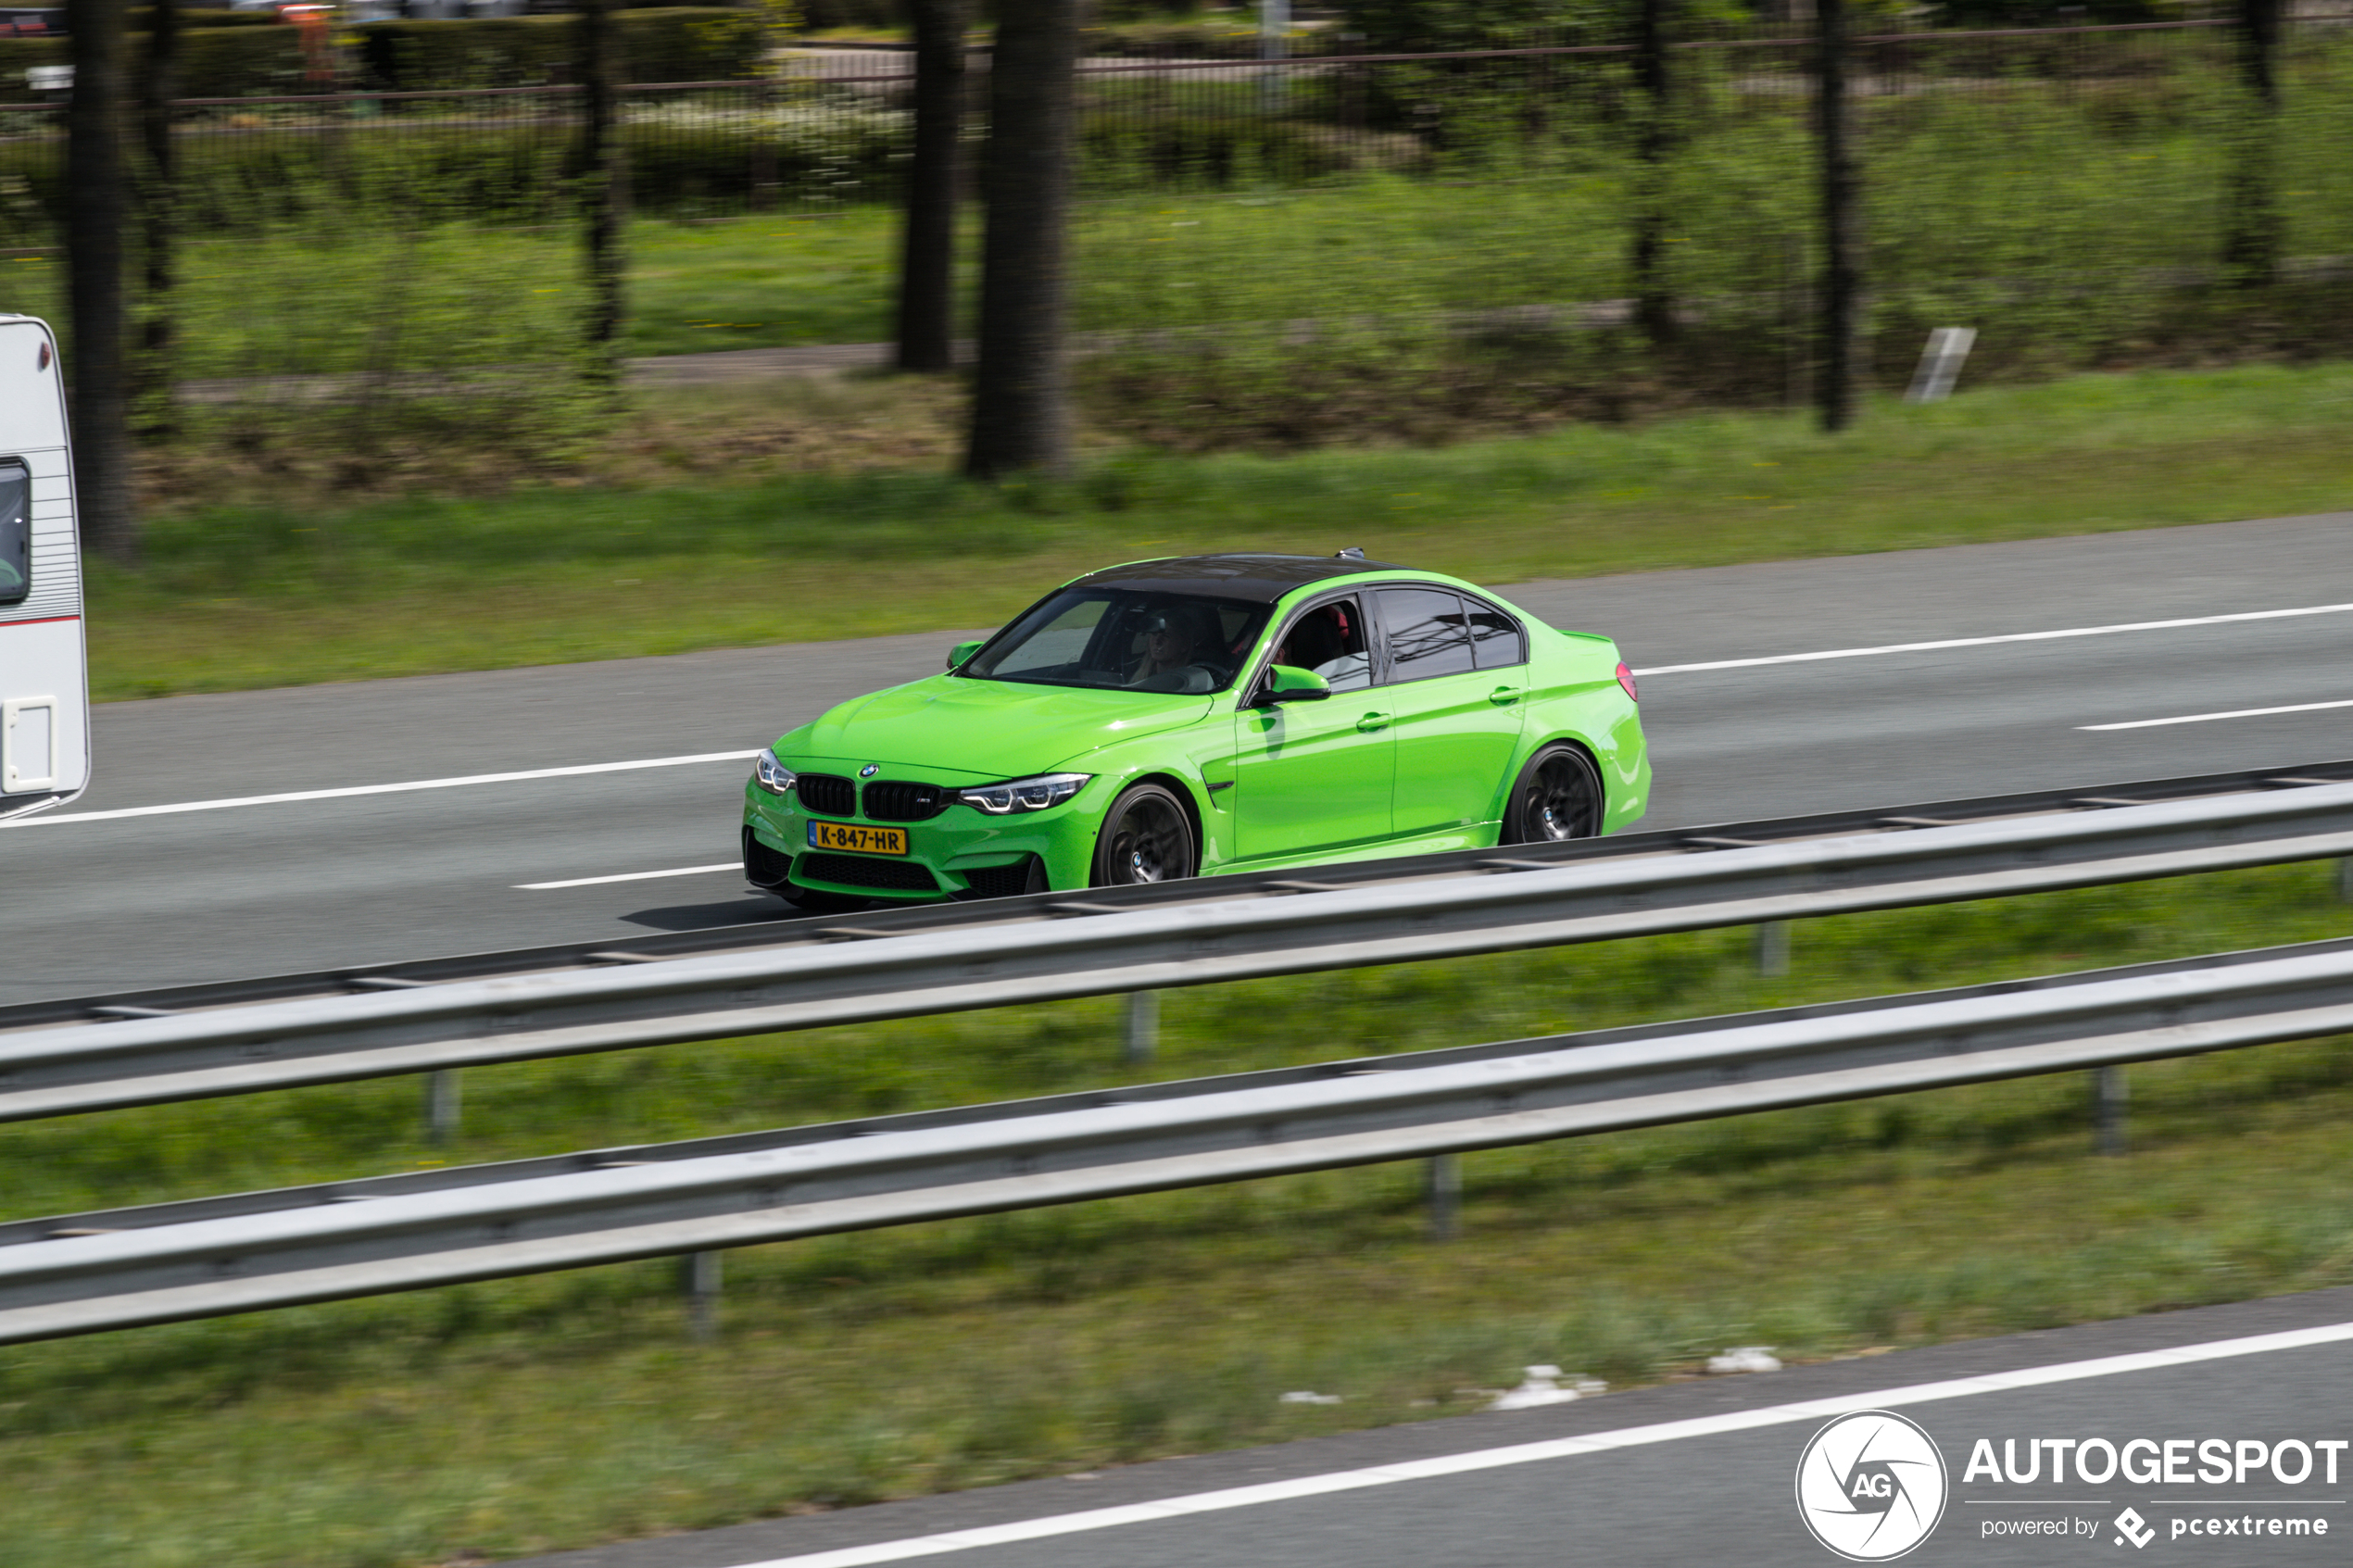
{"x": 1261, "y": 578}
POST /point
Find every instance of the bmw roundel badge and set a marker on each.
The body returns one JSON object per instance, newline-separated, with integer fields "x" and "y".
{"x": 869, "y": 770}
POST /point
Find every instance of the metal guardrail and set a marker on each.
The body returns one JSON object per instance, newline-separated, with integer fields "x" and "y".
{"x": 1057, "y": 947}
{"x": 123, "y": 1268}
{"x": 908, "y": 920}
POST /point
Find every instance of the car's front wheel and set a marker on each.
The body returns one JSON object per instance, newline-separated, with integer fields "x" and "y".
{"x": 1146, "y": 838}
{"x": 1557, "y": 797}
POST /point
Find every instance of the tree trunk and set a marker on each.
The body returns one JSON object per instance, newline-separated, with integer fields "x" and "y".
{"x": 2252, "y": 246}
{"x": 1020, "y": 414}
{"x": 927, "y": 262}
{"x": 94, "y": 210}
{"x": 604, "y": 189}
{"x": 159, "y": 208}
{"x": 1654, "y": 146}
{"x": 1841, "y": 222}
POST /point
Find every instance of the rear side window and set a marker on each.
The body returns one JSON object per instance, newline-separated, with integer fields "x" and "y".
{"x": 1496, "y": 638}
{"x": 16, "y": 531}
{"x": 1427, "y": 634}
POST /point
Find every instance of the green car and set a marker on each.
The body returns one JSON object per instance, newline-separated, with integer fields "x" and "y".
{"x": 1205, "y": 714}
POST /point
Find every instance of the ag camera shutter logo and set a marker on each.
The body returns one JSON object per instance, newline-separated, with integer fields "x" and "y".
{"x": 1871, "y": 1485}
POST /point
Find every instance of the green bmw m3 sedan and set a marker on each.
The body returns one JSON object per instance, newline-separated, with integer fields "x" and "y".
{"x": 1205, "y": 714}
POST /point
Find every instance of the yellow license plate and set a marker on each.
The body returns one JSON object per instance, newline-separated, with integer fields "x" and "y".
{"x": 858, "y": 840}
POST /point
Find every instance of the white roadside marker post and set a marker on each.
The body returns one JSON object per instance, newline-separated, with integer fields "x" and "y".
{"x": 1941, "y": 364}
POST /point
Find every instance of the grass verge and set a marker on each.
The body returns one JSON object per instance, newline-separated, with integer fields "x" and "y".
{"x": 861, "y": 531}
{"x": 521, "y": 1416}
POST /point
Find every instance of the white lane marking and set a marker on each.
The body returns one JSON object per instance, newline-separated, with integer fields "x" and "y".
{"x": 1558, "y": 1448}
{"x": 348, "y": 791}
{"x": 2207, "y": 717}
{"x": 1989, "y": 642}
{"x": 628, "y": 877}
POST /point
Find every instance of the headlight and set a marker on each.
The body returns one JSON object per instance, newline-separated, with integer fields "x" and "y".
{"x": 771, "y": 775}
{"x": 1025, "y": 794}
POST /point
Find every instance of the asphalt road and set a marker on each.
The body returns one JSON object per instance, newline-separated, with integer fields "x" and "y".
{"x": 98, "y": 900}
{"x": 1706, "y": 1471}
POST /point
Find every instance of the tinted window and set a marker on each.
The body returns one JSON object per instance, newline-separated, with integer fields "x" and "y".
{"x": 16, "y": 531}
{"x": 1426, "y": 636}
{"x": 1496, "y": 637}
{"x": 1330, "y": 641}
{"x": 1124, "y": 637}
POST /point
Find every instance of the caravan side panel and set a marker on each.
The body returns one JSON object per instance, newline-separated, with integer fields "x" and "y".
{"x": 44, "y": 706}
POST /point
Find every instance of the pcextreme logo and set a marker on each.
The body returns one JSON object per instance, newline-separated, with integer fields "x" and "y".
{"x": 1871, "y": 1485}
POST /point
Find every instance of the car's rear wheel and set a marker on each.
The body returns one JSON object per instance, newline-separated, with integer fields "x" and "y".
{"x": 1147, "y": 837}
{"x": 1557, "y": 797}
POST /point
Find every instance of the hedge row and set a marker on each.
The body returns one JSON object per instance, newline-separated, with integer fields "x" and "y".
{"x": 674, "y": 44}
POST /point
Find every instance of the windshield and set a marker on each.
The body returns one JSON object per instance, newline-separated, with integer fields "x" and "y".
{"x": 1124, "y": 637}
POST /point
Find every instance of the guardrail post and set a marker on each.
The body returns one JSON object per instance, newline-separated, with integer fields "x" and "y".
{"x": 2109, "y": 1098}
{"x": 1772, "y": 947}
{"x": 699, "y": 1282}
{"x": 1442, "y": 1180}
{"x": 1143, "y": 1026}
{"x": 443, "y": 1101}
{"x": 2345, "y": 879}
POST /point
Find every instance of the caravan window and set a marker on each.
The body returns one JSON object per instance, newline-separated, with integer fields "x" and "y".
{"x": 16, "y": 531}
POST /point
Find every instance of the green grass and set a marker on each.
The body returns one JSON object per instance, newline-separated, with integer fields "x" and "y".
{"x": 529, "y": 1415}
{"x": 257, "y": 596}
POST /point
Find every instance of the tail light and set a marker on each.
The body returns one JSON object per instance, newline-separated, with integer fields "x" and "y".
{"x": 1626, "y": 679}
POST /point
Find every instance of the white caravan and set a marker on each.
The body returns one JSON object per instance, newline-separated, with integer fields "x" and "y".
{"x": 44, "y": 681}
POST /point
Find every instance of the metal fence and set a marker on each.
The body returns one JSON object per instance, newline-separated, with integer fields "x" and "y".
{"x": 2068, "y": 192}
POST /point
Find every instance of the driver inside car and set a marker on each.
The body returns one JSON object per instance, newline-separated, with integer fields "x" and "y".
{"x": 1170, "y": 638}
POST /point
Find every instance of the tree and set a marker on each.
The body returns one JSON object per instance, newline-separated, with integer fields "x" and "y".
{"x": 1021, "y": 394}
{"x": 1842, "y": 221}
{"x": 2255, "y": 234}
{"x": 95, "y": 209}
{"x": 159, "y": 212}
{"x": 604, "y": 191}
{"x": 1654, "y": 146}
{"x": 927, "y": 258}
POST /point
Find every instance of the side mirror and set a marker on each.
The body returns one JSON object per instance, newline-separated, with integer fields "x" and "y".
{"x": 961, "y": 652}
{"x": 1287, "y": 684}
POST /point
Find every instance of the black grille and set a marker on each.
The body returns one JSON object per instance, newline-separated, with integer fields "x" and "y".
{"x": 895, "y": 800}
{"x": 828, "y": 795}
{"x": 1002, "y": 881}
{"x": 856, "y": 871}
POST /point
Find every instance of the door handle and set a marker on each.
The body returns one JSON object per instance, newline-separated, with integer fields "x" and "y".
{"x": 1372, "y": 721}
{"x": 1504, "y": 696}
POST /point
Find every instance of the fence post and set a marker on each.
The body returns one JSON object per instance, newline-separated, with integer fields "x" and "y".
{"x": 443, "y": 1101}
{"x": 1143, "y": 1026}
{"x": 1772, "y": 947}
{"x": 1274, "y": 43}
{"x": 699, "y": 1282}
{"x": 2109, "y": 1098}
{"x": 1443, "y": 1181}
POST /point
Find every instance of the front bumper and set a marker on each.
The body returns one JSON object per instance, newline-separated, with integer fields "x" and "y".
{"x": 962, "y": 853}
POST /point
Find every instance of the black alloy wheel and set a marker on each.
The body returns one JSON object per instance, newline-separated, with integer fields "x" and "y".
{"x": 1558, "y": 797}
{"x": 1146, "y": 838}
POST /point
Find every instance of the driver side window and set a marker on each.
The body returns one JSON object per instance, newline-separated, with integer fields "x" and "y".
{"x": 1330, "y": 641}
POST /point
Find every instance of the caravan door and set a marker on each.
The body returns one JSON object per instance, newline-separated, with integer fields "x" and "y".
{"x": 45, "y": 685}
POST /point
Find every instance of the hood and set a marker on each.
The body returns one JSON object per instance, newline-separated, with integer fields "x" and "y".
{"x": 995, "y": 729}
